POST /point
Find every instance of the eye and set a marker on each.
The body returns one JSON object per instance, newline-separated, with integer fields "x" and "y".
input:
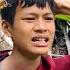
{"x": 48, "y": 18}
{"x": 29, "y": 19}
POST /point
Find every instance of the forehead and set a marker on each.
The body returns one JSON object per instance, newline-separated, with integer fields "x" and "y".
{"x": 34, "y": 9}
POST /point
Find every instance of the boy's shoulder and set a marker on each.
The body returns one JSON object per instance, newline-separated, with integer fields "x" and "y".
{"x": 62, "y": 60}
{"x": 62, "y": 63}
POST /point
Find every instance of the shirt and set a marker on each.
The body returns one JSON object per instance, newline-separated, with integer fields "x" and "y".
{"x": 48, "y": 63}
{"x": 62, "y": 63}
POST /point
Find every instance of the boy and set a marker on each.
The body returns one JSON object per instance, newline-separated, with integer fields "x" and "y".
{"x": 30, "y": 24}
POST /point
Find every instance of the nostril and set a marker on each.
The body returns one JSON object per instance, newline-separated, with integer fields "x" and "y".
{"x": 45, "y": 30}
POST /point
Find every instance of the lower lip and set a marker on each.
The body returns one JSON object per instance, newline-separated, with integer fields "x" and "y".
{"x": 40, "y": 44}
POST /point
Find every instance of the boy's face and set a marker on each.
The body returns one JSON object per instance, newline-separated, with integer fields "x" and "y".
{"x": 33, "y": 30}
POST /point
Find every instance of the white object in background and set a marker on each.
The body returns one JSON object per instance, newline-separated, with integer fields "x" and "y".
{"x": 7, "y": 39}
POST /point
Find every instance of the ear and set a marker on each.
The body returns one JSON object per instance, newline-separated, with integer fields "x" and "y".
{"x": 6, "y": 27}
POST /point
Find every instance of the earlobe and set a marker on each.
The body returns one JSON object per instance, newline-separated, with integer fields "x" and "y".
{"x": 6, "y": 28}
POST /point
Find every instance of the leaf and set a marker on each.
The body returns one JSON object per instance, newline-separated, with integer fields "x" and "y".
{"x": 63, "y": 17}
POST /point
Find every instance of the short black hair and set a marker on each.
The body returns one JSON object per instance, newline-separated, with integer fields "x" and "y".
{"x": 8, "y": 12}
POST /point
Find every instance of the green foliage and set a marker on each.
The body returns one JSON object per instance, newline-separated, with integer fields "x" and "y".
{"x": 63, "y": 17}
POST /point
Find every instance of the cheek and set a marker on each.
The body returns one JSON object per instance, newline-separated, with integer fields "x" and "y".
{"x": 51, "y": 29}
{"x": 21, "y": 34}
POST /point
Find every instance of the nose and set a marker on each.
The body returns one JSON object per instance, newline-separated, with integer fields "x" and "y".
{"x": 40, "y": 27}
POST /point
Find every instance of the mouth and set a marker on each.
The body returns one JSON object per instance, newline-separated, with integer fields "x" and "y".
{"x": 34, "y": 39}
{"x": 40, "y": 41}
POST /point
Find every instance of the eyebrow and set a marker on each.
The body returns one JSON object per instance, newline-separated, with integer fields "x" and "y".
{"x": 48, "y": 14}
{"x": 35, "y": 14}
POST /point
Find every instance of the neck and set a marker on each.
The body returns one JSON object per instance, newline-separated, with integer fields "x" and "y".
{"x": 23, "y": 63}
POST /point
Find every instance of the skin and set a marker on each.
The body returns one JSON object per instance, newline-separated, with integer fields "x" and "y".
{"x": 65, "y": 3}
{"x": 63, "y": 6}
{"x": 28, "y": 23}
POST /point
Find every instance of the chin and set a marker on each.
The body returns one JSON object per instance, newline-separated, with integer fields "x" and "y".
{"x": 39, "y": 53}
